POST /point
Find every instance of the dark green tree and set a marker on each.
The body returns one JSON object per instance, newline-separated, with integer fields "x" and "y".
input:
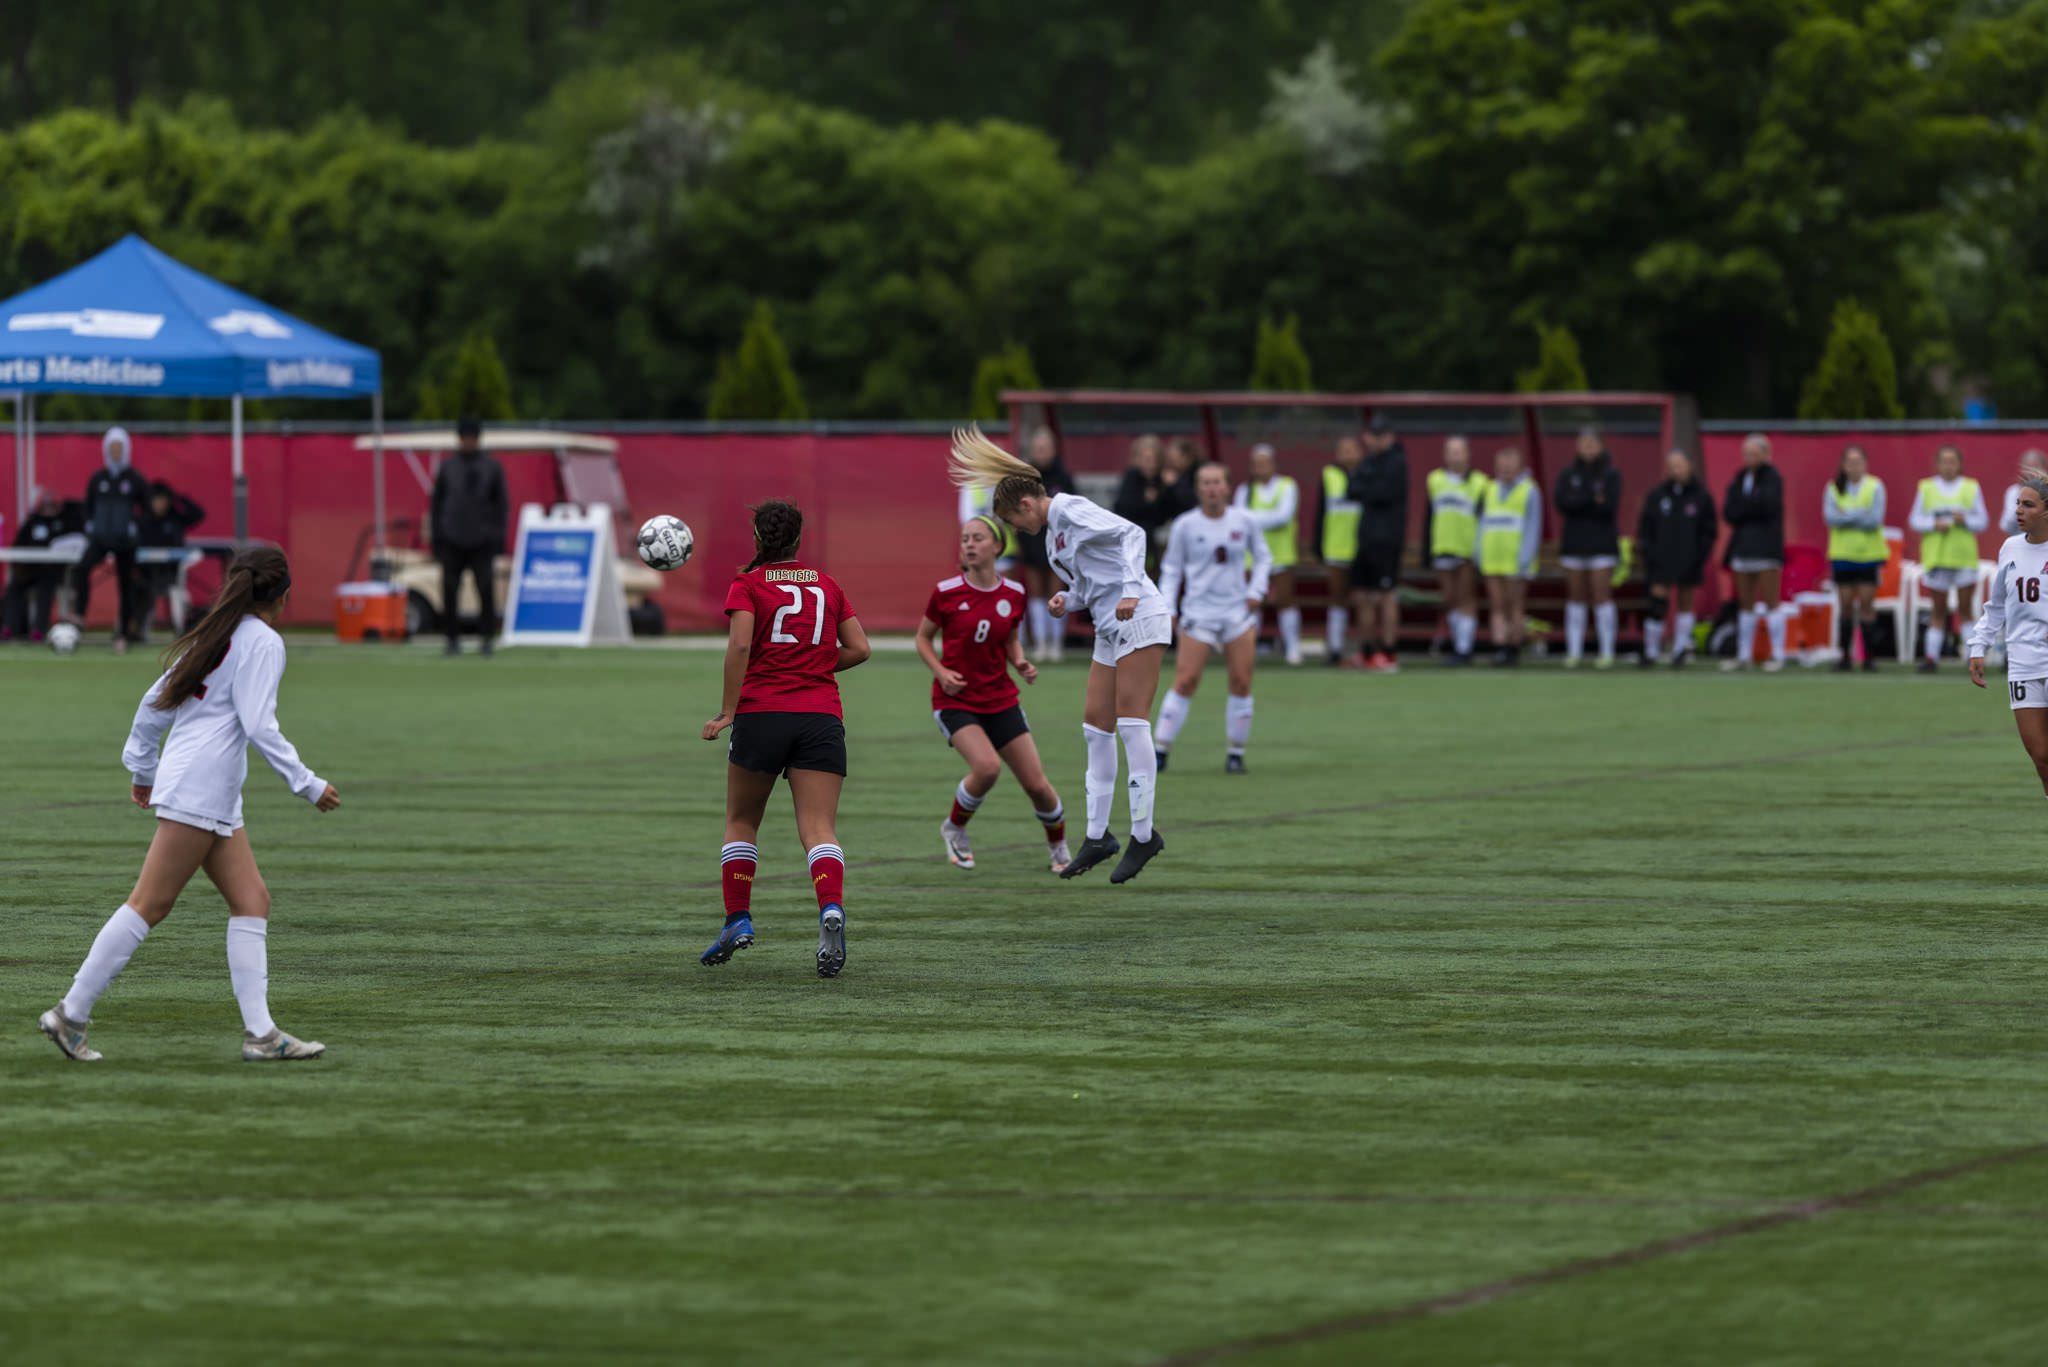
{"x": 1278, "y": 360}
{"x": 470, "y": 382}
{"x": 755, "y": 383}
{"x": 1558, "y": 369}
{"x": 1010, "y": 368}
{"x": 1856, "y": 378}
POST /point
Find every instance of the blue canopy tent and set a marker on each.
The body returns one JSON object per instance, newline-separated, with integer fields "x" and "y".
{"x": 135, "y": 321}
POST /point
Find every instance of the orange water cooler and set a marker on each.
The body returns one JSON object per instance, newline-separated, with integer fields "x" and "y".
{"x": 370, "y": 610}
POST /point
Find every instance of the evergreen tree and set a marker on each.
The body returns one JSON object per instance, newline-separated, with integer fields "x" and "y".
{"x": 1558, "y": 369}
{"x": 1278, "y": 362}
{"x": 1856, "y": 377}
{"x": 756, "y": 384}
{"x": 471, "y": 383}
{"x": 1010, "y": 368}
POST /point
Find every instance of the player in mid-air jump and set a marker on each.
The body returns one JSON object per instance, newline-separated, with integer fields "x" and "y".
{"x": 970, "y": 641}
{"x": 1101, "y": 559}
{"x": 2016, "y": 601}
{"x": 1217, "y": 554}
{"x": 217, "y": 698}
{"x": 791, "y": 631}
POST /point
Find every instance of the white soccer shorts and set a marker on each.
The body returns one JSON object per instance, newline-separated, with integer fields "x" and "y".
{"x": 1215, "y": 634}
{"x": 2027, "y": 692}
{"x": 1114, "y": 639}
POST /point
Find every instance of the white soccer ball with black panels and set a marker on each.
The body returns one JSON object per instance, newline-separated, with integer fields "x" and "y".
{"x": 63, "y": 638}
{"x": 665, "y": 542}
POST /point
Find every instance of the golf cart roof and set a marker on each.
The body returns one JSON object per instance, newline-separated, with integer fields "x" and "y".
{"x": 495, "y": 439}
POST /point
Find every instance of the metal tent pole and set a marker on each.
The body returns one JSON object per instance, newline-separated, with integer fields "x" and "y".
{"x": 379, "y": 561}
{"x": 28, "y": 427}
{"x": 241, "y": 478}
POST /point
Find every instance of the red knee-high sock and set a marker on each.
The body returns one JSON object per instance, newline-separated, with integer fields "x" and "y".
{"x": 1055, "y": 823}
{"x": 828, "y": 875}
{"x": 736, "y": 876}
{"x": 965, "y": 805}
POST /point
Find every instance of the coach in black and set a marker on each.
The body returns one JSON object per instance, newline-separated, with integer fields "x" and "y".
{"x": 115, "y": 499}
{"x": 469, "y": 531}
{"x": 1379, "y": 485}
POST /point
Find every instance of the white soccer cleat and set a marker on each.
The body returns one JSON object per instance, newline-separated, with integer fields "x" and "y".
{"x": 1061, "y": 856}
{"x": 67, "y": 1034}
{"x": 1294, "y": 654}
{"x": 1773, "y": 666}
{"x": 277, "y": 1046}
{"x": 959, "y": 848}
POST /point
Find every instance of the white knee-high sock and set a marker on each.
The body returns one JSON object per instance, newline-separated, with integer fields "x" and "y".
{"x": 1574, "y": 630}
{"x": 1930, "y": 643}
{"x": 1607, "y": 618}
{"x": 1774, "y": 624}
{"x": 118, "y": 939}
{"x": 1101, "y": 777}
{"x": 1143, "y": 763}
{"x": 1464, "y": 629}
{"x": 1290, "y": 632}
{"x": 249, "y": 971}
{"x": 1681, "y": 635}
{"x": 1745, "y": 635}
{"x": 1653, "y": 638}
{"x": 1237, "y": 722}
{"x": 1173, "y": 714}
{"x": 1038, "y": 617}
{"x": 1339, "y": 625}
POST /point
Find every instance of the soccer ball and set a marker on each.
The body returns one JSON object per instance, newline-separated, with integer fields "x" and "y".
{"x": 665, "y": 542}
{"x": 63, "y": 638}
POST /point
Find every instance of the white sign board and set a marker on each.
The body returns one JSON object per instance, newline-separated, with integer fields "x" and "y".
{"x": 565, "y": 588}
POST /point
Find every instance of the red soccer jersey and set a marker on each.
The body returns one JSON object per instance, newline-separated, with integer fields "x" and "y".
{"x": 975, "y": 626}
{"x": 797, "y": 611}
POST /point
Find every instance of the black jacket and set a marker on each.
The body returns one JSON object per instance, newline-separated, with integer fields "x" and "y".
{"x": 170, "y": 529}
{"x": 469, "y": 504}
{"x": 37, "y": 531}
{"x": 115, "y": 501}
{"x": 1588, "y": 501}
{"x": 1380, "y": 485}
{"x": 1145, "y": 500}
{"x": 1755, "y": 512}
{"x": 1676, "y": 532}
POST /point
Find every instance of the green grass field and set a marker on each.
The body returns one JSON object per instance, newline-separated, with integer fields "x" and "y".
{"x": 1493, "y": 1019}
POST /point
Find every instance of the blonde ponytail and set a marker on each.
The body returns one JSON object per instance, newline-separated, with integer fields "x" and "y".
{"x": 978, "y": 463}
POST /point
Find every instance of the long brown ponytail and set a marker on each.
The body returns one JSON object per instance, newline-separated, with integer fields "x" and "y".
{"x": 778, "y": 527}
{"x": 257, "y": 577}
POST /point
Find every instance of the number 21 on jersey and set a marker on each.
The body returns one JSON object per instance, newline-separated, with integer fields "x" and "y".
{"x": 796, "y": 607}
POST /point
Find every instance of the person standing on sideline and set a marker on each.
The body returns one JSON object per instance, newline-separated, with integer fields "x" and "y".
{"x": 1048, "y": 636}
{"x": 1380, "y": 487}
{"x": 1754, "y": 509}
{"x": 1853, "y": 508}
{"x": 468, "y": 517}
{"x": 1676, "y": 536}
{"x": 115, "y": 500}
{"x": 1455, "y": 492}
{"x": 1216, "y": 552}
{"x": 1589, "y": 501}
{"x": 216, "y": 697}
{"x": 1948, "y": 512}
{"x": 2015, "y": 607}
{"x": 31, "y": 600}
{"x": 1336, "y": 539}
{"x": 1510, "y": 529}
{"x": 1273, "y": 501}
{"x": 2033, "y": 465}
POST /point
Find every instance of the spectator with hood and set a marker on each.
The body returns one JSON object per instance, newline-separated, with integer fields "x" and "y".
{"x": 468, "y": 512}
{"x": 1588, "y": 500}
{"x": 31, "y": 597}
{"x": 115, "y": 500}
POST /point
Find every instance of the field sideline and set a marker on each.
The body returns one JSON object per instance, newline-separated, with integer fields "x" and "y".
{"x": 1492, "y": 1019}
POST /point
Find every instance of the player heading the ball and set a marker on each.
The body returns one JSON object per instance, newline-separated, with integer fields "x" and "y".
{"x": 791, "y": 631}
{"x": 1100, "y": 557}
{"x": 216, "y": 698}
{"x": 974, "y": 618}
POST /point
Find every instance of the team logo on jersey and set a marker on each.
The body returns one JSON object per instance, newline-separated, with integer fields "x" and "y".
{"x": 1059, "y": 543}
{"x": 1003, "y": 608}
{"x": 1236, "y": 537}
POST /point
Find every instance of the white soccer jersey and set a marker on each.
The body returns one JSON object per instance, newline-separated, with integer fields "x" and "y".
{"x": 1207, "y": 557}
{"x": 206, "y": 760}
{"x": 1100, "y": 557}
{"x": 2016, "y": 602}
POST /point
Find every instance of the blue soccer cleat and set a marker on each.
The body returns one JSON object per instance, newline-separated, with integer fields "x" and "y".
{"x": 736, "y": 936}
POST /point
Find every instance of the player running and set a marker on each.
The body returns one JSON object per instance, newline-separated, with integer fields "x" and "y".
{"x": 216, "y": 698}
{"x": 1207, "y": 551}
{"x": 1273, "y": 501}
{"x": 2014, "y": 602}
{"x": 791, "y": 632}
{"x": 1101, "y": 558}
{"x": 974, "y": 616}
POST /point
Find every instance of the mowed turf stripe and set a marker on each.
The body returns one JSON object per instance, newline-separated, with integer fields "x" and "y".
{"x": 1799, "y": 1212}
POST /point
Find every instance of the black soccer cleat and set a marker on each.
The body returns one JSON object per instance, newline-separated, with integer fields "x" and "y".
{"x": 1233, "y": 764}
{"x": 1159, "y": 758}
{"x": 1137, "y": 857}
{"x": 1093, "y": 851}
